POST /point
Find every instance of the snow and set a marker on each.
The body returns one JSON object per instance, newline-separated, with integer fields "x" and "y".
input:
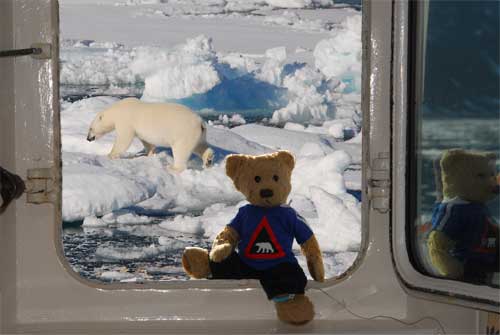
{"x": 307, "y": 100}
{"x": 299, "y": 3}
{"x": 94, "y": 190}
{"x": 284, "y": 75}
{"x": 186, "y": 70}
{"x": 92, "y": 63}
{"x": 111, "y": 276}
{"x": 293, "y": 140}
{"x": 296, "y": 22}
{"x": 340, "y": 55}
{"x": 106, "y": 253}
{"x": 339, "y": 220}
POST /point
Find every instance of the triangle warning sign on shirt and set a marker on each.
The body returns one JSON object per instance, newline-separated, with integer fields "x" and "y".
{"x": 263, "y": 243}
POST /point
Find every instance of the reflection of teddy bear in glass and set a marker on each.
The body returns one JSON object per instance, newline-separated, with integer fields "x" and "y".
{"x": 464, "y": 241}
{"x": 263, "y": 233}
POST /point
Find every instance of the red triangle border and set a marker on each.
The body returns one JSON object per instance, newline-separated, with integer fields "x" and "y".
{"x": 264, "y": 224}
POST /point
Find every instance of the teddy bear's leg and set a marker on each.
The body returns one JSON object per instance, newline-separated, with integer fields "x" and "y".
{"x": 297, "y": 311}
{"x": 195, "y": 262}
{"x": 284, "y": 284}
{"x": 232, "y": 267}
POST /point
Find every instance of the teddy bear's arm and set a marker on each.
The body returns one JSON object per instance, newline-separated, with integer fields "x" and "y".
{"x": 311, "y": 250}
{"x": 224, "y": 244}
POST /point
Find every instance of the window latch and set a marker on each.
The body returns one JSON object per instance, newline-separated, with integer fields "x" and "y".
{"x": 379, "y": 183}
{"x": 40, "y": 186}
{"x": 37, "y": 51}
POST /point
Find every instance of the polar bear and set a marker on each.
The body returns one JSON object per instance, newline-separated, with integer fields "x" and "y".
{"x": 155, "y": 124}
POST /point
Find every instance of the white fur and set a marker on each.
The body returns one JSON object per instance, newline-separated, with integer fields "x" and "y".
{"x": 155, "y": 124}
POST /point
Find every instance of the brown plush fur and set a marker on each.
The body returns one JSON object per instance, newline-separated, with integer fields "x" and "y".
{"x": 195, "y": 262}
{"x": 311, "y": 250}
{"x": 224, "y": 244}
{"x": 244, "y": 169}
{"x": 468, "y": 175}
{"x": 298, "y": 311}
{"x": 251, "y": 175}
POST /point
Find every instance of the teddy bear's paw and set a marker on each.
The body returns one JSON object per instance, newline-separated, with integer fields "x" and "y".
{"x": 195, "y": 262}
{"x": 221, "y": 252}
{"x": 296, "y": 311}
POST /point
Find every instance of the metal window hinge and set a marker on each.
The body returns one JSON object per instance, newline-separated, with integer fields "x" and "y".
{"x": 379, "y": 183}
{"x": 37, "y": 51}
{"x": 40, "y": 186}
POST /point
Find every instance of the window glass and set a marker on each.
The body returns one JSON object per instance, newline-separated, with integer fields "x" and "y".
{"x": 456, "y": 141}
{"x": 262, "y": 75}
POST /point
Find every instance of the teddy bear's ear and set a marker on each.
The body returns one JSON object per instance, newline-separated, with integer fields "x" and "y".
{"x": 234, "y": 164}
{"x": 287, "y": 158}
{"x": 451, "y": 158}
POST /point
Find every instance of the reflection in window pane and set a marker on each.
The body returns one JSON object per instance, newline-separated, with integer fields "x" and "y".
{"x": 457, "y": 141}
{"x": 262, "y": 78}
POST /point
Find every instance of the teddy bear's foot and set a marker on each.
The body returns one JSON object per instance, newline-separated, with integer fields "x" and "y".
{"x": 296, "y": 311}
{"x": 195, "y": 262}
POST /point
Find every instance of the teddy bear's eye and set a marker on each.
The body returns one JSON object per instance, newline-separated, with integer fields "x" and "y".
{"x": 257, "y": 179}
{"x": 276, "y": 178}
{"x": 481, "y": 175}
{"x": 100, "y": 118}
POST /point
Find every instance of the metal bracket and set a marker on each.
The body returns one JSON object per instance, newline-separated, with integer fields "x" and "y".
{"x": 379, "y": 183}
{"x": 40, "y": 186}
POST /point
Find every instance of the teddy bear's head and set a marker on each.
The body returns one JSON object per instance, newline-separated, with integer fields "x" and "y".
{"x": 469, "y": 175}
{"x": 265, "y": 180}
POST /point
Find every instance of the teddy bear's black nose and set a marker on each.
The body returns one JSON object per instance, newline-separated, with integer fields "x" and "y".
{"x": 266, "y": 193}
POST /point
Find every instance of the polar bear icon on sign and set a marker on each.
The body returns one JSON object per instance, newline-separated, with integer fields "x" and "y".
{"x": 264, "y": 248}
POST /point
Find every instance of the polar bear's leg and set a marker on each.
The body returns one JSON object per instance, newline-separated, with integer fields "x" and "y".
{"x": 149, "y": 148}
{"x": 123, "y": 140}
{"x": 205, "y": 153}
{"x": 181, "y": 152}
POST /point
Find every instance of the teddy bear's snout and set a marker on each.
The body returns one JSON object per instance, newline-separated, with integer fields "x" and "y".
{"x": 266, "y": 193}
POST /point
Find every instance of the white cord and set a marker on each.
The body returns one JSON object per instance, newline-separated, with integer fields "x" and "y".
{"x": 343, "y": 304}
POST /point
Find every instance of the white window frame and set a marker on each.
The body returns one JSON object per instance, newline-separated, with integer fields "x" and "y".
{"x": 444, "y": 290}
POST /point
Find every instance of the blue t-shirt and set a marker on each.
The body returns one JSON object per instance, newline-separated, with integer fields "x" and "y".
{"x": 471, "y": 227}
{"x": 266, "y": 235}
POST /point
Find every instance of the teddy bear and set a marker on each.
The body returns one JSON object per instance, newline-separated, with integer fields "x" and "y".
{"x": 464, "y": 240}
{"x": 257, "y": 243}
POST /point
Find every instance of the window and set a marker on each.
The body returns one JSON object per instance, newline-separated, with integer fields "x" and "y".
{"x": 282, "y": 76}
{"x": 455, "y": 142}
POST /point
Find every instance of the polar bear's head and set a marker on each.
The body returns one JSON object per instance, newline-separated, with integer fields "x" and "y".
{"x": 103, "y": 123}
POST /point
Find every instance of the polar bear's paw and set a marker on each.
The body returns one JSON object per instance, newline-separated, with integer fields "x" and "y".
{"x": 175, "y": 169}
{"x": 113, "y": 156}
